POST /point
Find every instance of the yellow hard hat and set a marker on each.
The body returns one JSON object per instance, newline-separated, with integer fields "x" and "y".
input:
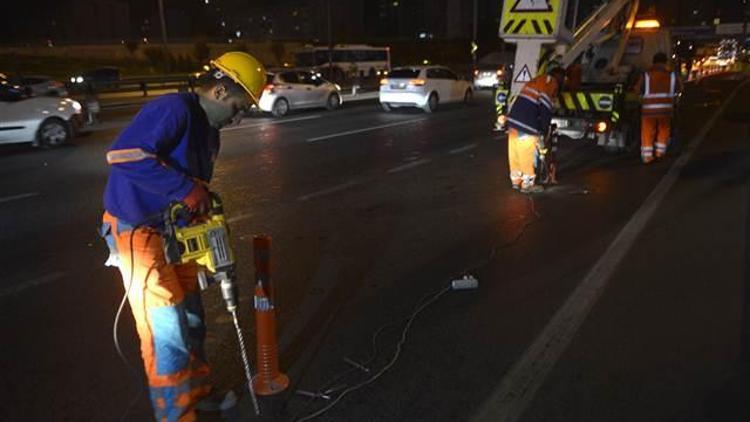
{"x": 245, "y": 70}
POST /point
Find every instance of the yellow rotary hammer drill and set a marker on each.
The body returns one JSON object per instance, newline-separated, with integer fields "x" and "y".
{"x": 205, "y": 242}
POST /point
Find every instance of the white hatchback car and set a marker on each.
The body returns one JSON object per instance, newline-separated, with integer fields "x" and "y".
{"x": 424, "y": 87}
{"x": 42, "y": 121}
{"x": 297, "y": 89}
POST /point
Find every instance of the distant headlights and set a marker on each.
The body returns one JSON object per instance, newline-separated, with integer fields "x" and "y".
{"x": 76, "y": 80}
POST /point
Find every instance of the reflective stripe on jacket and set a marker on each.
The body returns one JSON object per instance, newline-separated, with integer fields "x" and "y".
{"x": 531, "y": 112}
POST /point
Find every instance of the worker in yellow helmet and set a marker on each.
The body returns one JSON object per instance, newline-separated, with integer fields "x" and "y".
{"x": 165, "y": 155}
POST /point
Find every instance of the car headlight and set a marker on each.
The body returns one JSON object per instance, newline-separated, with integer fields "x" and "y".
{"x": 72, "y": 79}
{"x": 76, "y": 106}
{"x": 79, "y": 79}
{"x": 338, "y": 87}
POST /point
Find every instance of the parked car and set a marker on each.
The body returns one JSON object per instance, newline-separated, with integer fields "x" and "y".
{"x": 42, "y": 121}
{"x": 298, "y": 89}
{"x": 423, "y": 86}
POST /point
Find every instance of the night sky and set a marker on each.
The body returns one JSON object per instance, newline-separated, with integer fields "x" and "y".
{"x": 30, "y": 19}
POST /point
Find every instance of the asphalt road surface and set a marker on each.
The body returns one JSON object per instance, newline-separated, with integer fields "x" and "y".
{"x": 619, "y": 295}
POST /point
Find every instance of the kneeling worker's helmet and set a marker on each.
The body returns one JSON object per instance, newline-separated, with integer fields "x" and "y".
{"x": 243, "y": 69}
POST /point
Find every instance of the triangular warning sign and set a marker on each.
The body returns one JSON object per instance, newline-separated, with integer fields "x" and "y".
{"x": 531, "y": 6}
{"x": 524, "y": 75}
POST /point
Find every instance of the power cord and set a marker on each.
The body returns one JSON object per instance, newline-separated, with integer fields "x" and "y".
{"x": 396, "y": 355}
{"x": 422, "y": 304}
{"x": 115, "y": 326}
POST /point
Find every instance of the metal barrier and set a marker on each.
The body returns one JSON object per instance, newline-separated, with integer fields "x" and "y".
{"x": 143, "y": 85}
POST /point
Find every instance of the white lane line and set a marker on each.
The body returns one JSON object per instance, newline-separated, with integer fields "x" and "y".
{"x": 17, "y": 197}
{"x": 334, "y": 189}
{"x": 367, "y": 129}
{"x": 45, "y": 279}
{"x": 463, "y": 149}
{"x": 408, "y": 166}
{"x": 240, "y": 217}
{"x": 519, "y": 386}
{"x": 272, "y": 122}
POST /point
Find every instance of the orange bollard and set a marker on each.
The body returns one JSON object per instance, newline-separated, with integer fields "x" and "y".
{"x": 269, "y": 380}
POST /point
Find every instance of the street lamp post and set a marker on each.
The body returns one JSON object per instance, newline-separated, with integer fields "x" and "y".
{"x": 330, "y": 41}
{"x": 474, "y": 37}
{"x": 163, "y": 22}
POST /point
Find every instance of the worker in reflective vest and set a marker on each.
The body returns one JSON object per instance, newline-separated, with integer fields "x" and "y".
{"x": 658, "y": 88}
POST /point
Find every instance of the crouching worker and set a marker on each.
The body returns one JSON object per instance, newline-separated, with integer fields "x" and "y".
{"x": 529, "y": 119}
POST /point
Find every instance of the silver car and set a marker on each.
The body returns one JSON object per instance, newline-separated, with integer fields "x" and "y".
{"x": 298, "y": 89}
{"x": 42, "y": 121}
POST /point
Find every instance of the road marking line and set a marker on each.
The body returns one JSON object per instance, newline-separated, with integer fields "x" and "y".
{"x": 240, "y": 217}
{"x": 462, "y": 149}
{"x": 334, "y": 189}
{"x": 367, "y": 129}
{"x": 17, "y": 197}
{"x": 272, "y": 122}
{"x": 45, "y": 279}
{"x": 409, "y": 165}
{"x": 519, "y": 386}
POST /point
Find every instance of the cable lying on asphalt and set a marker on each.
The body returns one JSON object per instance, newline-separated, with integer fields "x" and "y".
{"x": 466, "y": 282}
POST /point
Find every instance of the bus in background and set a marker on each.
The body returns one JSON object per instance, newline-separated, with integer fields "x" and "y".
{"x": 348, "y": 60}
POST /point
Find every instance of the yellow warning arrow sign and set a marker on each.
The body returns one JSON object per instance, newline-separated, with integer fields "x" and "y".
{"x": 531, "y": 18}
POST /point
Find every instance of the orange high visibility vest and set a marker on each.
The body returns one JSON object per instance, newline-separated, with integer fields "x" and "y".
{"x": 659, "y": 86}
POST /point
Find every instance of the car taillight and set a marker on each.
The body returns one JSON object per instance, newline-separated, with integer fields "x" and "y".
{"x": 384, "y": 81}
{"x": 417, "y": 82}
{"x": 269, "y": 89}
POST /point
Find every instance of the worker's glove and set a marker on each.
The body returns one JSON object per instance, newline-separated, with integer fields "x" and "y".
{"x": 198, "y": 200}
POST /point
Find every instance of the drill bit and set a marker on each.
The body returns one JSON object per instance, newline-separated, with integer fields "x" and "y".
{"x": 245, "y": 362}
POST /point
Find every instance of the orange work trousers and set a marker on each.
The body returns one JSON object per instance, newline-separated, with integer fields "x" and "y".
{"x": 659, "y": 127}
{"x": 168, "y": 313}
{"x": 522, "y": 155}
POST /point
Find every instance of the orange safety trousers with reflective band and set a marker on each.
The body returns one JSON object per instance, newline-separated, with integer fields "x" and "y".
{"x": 658, "y": 127}
{"x": 168, "y": 313}
{"x": 522, "y": 153}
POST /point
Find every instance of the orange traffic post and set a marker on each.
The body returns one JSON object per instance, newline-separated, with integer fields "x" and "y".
{"x": 269, "y": 380}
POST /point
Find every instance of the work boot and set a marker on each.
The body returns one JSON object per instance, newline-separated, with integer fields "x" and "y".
{"x": 532, "y": 189}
